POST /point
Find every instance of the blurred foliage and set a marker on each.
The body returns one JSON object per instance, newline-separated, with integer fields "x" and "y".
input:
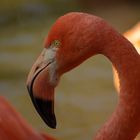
{"x": 15, "y": 11}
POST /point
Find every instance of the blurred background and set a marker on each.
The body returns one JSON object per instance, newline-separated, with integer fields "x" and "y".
{"x": 85, "y": 97}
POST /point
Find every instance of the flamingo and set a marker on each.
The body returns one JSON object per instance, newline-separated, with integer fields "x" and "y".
{"x": 14, "y": 127}
{"x": 72, "y": 39}
{"x": 133, "y": 35}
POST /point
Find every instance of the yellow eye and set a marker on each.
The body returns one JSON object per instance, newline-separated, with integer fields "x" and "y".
{"x": 56, "y": 43}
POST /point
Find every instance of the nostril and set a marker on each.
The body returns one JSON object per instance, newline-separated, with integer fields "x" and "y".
{"x": 36, "y": 68}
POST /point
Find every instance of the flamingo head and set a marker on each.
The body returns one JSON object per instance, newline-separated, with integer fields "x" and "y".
{"x": 66, "y": 46}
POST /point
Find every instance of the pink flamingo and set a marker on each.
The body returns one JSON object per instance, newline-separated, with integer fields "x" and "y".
{"x": 72, "y": 39}
{"x": 133, "y": 35}
{"x": 14, "y": 127}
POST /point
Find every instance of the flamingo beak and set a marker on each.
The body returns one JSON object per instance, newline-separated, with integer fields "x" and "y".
{"x": 41, "y": 84}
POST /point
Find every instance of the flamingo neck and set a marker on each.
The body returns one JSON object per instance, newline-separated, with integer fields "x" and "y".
{"x": 124, "y": 123}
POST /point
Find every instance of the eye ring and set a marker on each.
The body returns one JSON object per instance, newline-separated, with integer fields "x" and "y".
{"x": 56, "y": 43}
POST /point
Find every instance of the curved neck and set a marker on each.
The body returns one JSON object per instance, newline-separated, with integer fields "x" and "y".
{"x": 124, "y": 124}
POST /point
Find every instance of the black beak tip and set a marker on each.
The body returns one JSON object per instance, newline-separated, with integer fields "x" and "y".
{"x": 50, "y": 120}
{"x": 45, "y": 109}
{"x": 51, "y": 124}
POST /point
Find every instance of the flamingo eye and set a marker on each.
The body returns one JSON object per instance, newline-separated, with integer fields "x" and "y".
{"x": 56, "y": 43}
